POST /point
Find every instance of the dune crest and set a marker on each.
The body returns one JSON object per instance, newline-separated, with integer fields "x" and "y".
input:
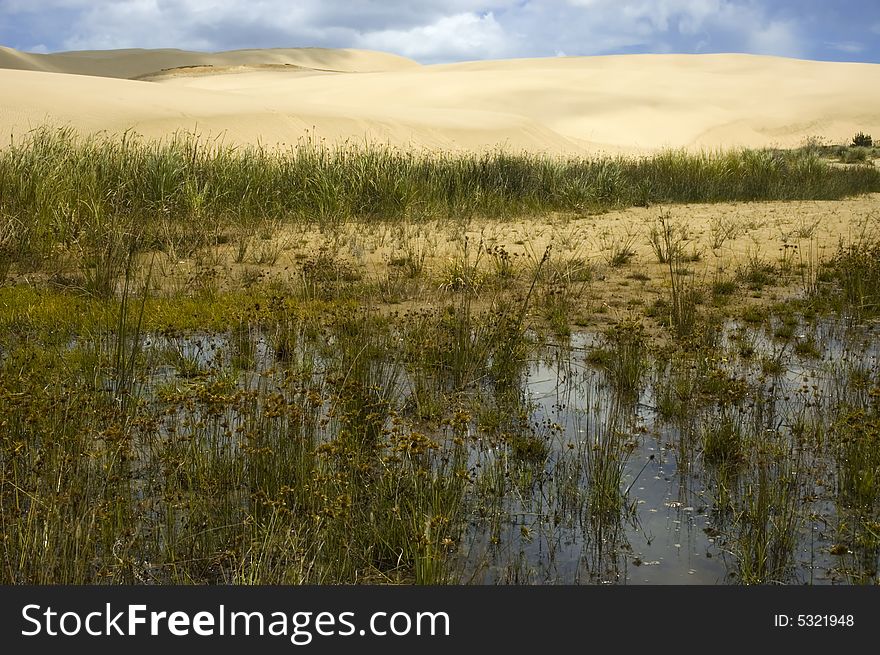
{"x": 135, "y": 63}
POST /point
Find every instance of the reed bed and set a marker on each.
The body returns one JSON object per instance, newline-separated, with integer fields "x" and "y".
{"x": 297, "y": 431}
{"x": 103, "y": 195}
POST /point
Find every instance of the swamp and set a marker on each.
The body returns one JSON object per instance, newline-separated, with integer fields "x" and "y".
{"x": 366, "y": 365}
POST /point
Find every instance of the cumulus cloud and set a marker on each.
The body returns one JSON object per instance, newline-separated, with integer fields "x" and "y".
{"x": 430, "y": 30}
{"x": 776, "y": 38}
{"x": 451, "y": 37}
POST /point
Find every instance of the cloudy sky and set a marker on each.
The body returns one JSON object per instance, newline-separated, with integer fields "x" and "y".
{"x": 432, "y": 31}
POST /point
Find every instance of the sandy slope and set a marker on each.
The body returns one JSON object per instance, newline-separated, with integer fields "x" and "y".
{"x": 132, "y": 63}
{"x": 583, "y": 104}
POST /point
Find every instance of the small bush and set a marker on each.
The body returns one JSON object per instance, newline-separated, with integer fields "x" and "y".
{"x": 856, "y": 271}
{"x": 862, "y": 140}
{"x": 724, "y": 287}
{"x": 855, "y": 155}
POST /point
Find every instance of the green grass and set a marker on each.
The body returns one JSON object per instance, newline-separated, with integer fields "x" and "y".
{"x": 856, "y": 442}
{"x": 723, "y": 443}
{"x": 623, "y": 356}
{"x": 100, "y": 197}
{"x": 374, "y": 445}
{"x": 204, "y": 478}
{"x": 295, "y": 431}
{"x": 854, "y": 272}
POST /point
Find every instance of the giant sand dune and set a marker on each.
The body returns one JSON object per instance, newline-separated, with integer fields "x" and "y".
{"x": 577, "y": 105}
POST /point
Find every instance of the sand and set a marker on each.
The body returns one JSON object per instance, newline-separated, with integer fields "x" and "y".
{"x": 571, "y": 105}
{"x": 722, "y": 241}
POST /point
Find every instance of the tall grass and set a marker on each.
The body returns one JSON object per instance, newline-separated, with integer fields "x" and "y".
{"x": 330, "y": 441}
{"x": 623, "y": 356}
{"x": 59, "y": 189}
{"x": 373, "y": 448}
{"x": 856, "y": 271}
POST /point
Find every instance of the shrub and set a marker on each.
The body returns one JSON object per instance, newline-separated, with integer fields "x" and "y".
{"x": 855, "y": 155}
{"x": 862, "y": 140}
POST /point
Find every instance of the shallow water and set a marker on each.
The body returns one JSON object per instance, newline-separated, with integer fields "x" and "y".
{"x": 671, "y": 529}
{"x": 670, "y": 536}
{"x": 663, "y": 541}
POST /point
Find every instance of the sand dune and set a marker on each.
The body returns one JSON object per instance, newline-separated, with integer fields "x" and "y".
{"x": 628, "y": 103}
{"x": 133, "y": 63}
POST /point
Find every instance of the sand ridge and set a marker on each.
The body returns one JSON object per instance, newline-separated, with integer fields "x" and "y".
{"x": 561, "y": 105}
{"x": 133, "y": 63}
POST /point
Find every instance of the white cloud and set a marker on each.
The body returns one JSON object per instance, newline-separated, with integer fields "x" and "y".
{"x": 776, "y": 38}
{"x": 460, "y": 36}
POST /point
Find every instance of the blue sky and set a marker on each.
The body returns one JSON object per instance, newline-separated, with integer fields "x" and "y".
{"x": 435, "y": 31}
